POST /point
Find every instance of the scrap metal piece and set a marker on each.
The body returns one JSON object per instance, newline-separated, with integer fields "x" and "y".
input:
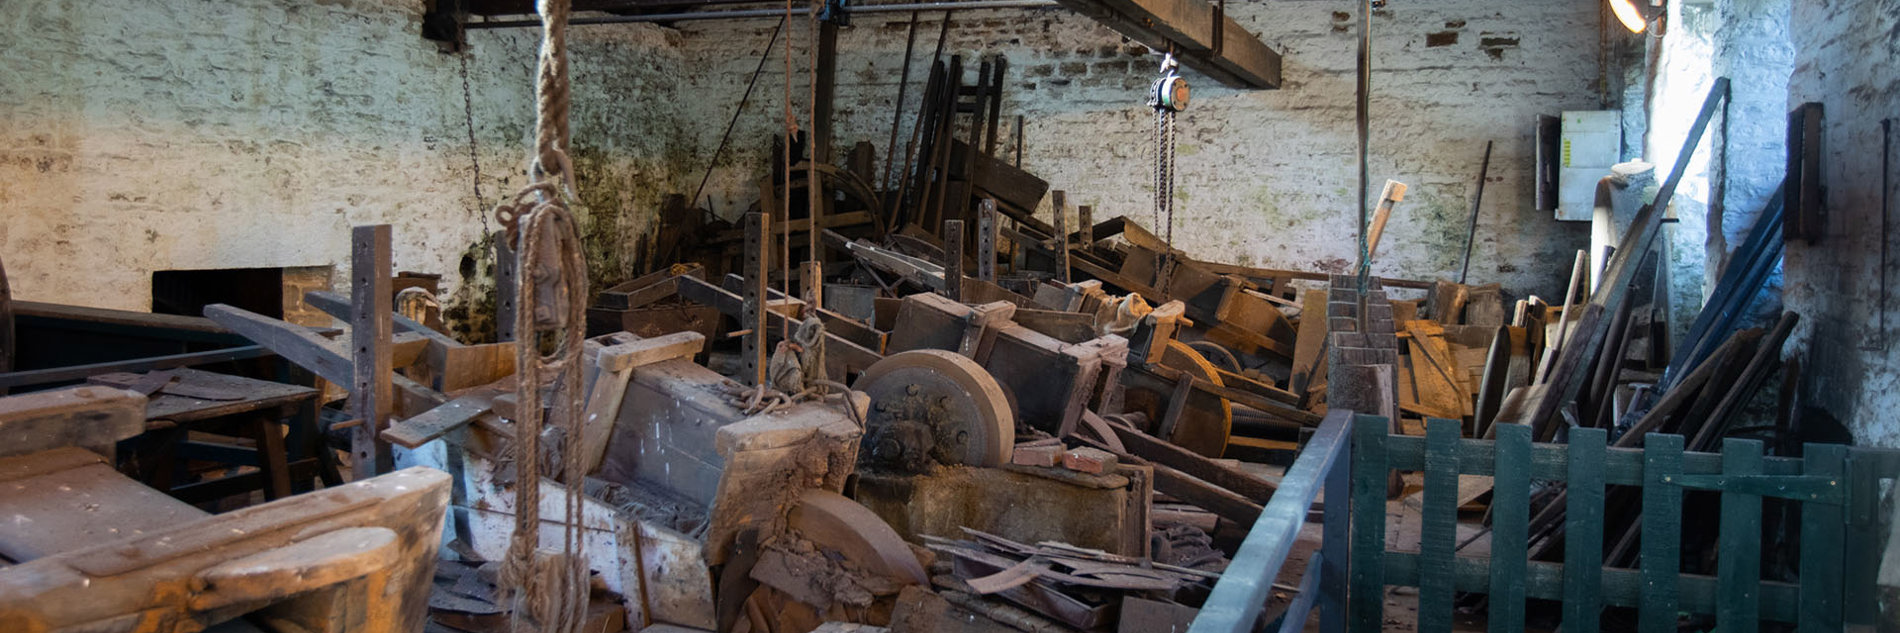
{"x": 934, "y": 405}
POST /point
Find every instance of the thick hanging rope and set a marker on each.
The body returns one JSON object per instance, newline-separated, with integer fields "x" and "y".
{"x": 552, "y": 97}
{"x": 548, "y": 588}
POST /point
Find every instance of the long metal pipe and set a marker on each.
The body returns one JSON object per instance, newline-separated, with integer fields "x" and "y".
{"x": 772, "y": 13}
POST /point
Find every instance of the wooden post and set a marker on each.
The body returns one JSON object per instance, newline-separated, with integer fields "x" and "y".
{"x": 371, "y": 354}
{"x": 1061, "y": 203}
{"x": 505, "y": 284}
{"x": 757, "y": 271}
{"x": 1085, "y": 216}
{"x": 811, "y": 279}
{"x": 953, "y": 259}
{"x": 986, "y": 240}
{"x": 6, "y": 323}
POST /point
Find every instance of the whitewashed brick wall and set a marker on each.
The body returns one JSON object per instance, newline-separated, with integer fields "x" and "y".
{"x": 1264, "y": 177}
{"x": 142, "y": 136}
{"x": 1846, "y": 53}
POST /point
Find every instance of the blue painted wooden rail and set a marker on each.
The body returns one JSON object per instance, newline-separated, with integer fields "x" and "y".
{"x": 1837, "y": 488}
{"x": 1241, "y": 594}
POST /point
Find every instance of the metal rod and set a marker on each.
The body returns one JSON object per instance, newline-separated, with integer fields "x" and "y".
{"x": 899, "y": 211}
{"x": 1886, "y": 210}
{"x": 1019, "y": 141}
{"x": 772, "y": 13}
{"x": 1365, "y": 170}
{"x": 1477, "y": 201}
{"x": 724, "y": 138}
{"x": 897, "y": 112}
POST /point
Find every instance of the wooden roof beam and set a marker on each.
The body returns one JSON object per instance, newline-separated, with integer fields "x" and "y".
{"x": 1240, "y": 60}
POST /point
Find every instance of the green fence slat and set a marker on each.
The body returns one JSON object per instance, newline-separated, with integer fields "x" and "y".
{"x": 1438, "y": 533}
{"x": 1335, "y": 543}
{"x": 1510, "y": 526}
{"x": 1861, "y": 602}
{"x": 1621, "y": 587}
{"x": 1822, "y": 549}
{"x": 1738, "y": 557}
{"x": 1661, "y": 548}
{"x": 1366, "y": 598}
{"x": 1583, "y": 531}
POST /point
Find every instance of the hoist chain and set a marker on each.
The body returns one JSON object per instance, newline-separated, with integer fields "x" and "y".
{"x": 1168, "y": 97}
{"x": 474, "y": 155}
{"x": 1164, "y": 173}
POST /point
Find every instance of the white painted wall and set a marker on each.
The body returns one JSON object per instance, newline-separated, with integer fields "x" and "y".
{"x": 1845, "y": 55}
{"x": 144, "y": 136}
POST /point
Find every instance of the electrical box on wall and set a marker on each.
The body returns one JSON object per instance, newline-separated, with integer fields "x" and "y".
{"x": 1592, "y": 141}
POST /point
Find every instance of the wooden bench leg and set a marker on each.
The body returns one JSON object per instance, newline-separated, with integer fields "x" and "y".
{"x": 306, "y": 437}
{"x": 271, "y": 457}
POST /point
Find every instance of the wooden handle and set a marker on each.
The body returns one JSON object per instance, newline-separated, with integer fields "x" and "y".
{"x": 1394, "y": 192}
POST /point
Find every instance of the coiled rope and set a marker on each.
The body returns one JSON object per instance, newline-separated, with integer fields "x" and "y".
{"x": 547, "y": 588}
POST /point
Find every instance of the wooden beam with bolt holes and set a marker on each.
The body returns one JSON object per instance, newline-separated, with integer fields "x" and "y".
{"x": 371, "y": 326}
{"x": 953, "y": 259}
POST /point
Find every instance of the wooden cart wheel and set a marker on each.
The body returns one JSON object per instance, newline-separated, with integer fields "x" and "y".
{"x": 1206, "y": 421}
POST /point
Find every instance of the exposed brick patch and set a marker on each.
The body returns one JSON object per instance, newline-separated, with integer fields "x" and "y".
{"x": 1494, "y": 44}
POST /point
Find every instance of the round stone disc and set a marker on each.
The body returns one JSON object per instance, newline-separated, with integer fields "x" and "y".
{"x": 969, "y": 416}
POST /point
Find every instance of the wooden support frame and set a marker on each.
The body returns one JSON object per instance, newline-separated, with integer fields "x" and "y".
{"x": 986, "y": 225}
{"x": 953, "y": 259}
{"x": 1060, "y": 200}
{"x": 372, "y": 358}
{"x": 752, "y": 317}
{"x": 507, "y": 273}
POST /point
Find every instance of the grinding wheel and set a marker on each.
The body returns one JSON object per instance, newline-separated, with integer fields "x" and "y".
{"x": 935, "y": 404}
{"x": 838, "y": 524}
{"x": 846, "y": 532}
{"x": 1206, "y": 422}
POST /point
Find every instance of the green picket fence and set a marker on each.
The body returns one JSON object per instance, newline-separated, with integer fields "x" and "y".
{"x": 1837, "y": 487}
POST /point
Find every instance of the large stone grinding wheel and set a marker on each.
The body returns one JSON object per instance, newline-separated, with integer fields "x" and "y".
{"x": 934, "y": 405}
{"x": 1206, "y": 422}
{"x": 844, "y": 531}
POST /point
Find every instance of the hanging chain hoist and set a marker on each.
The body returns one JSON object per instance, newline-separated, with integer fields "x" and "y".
{"x": 474, "y": 153}
{"x": 1168, "y": 96}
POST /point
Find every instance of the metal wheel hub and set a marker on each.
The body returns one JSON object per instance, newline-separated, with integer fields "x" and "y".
{"x": 934, "y": 405}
